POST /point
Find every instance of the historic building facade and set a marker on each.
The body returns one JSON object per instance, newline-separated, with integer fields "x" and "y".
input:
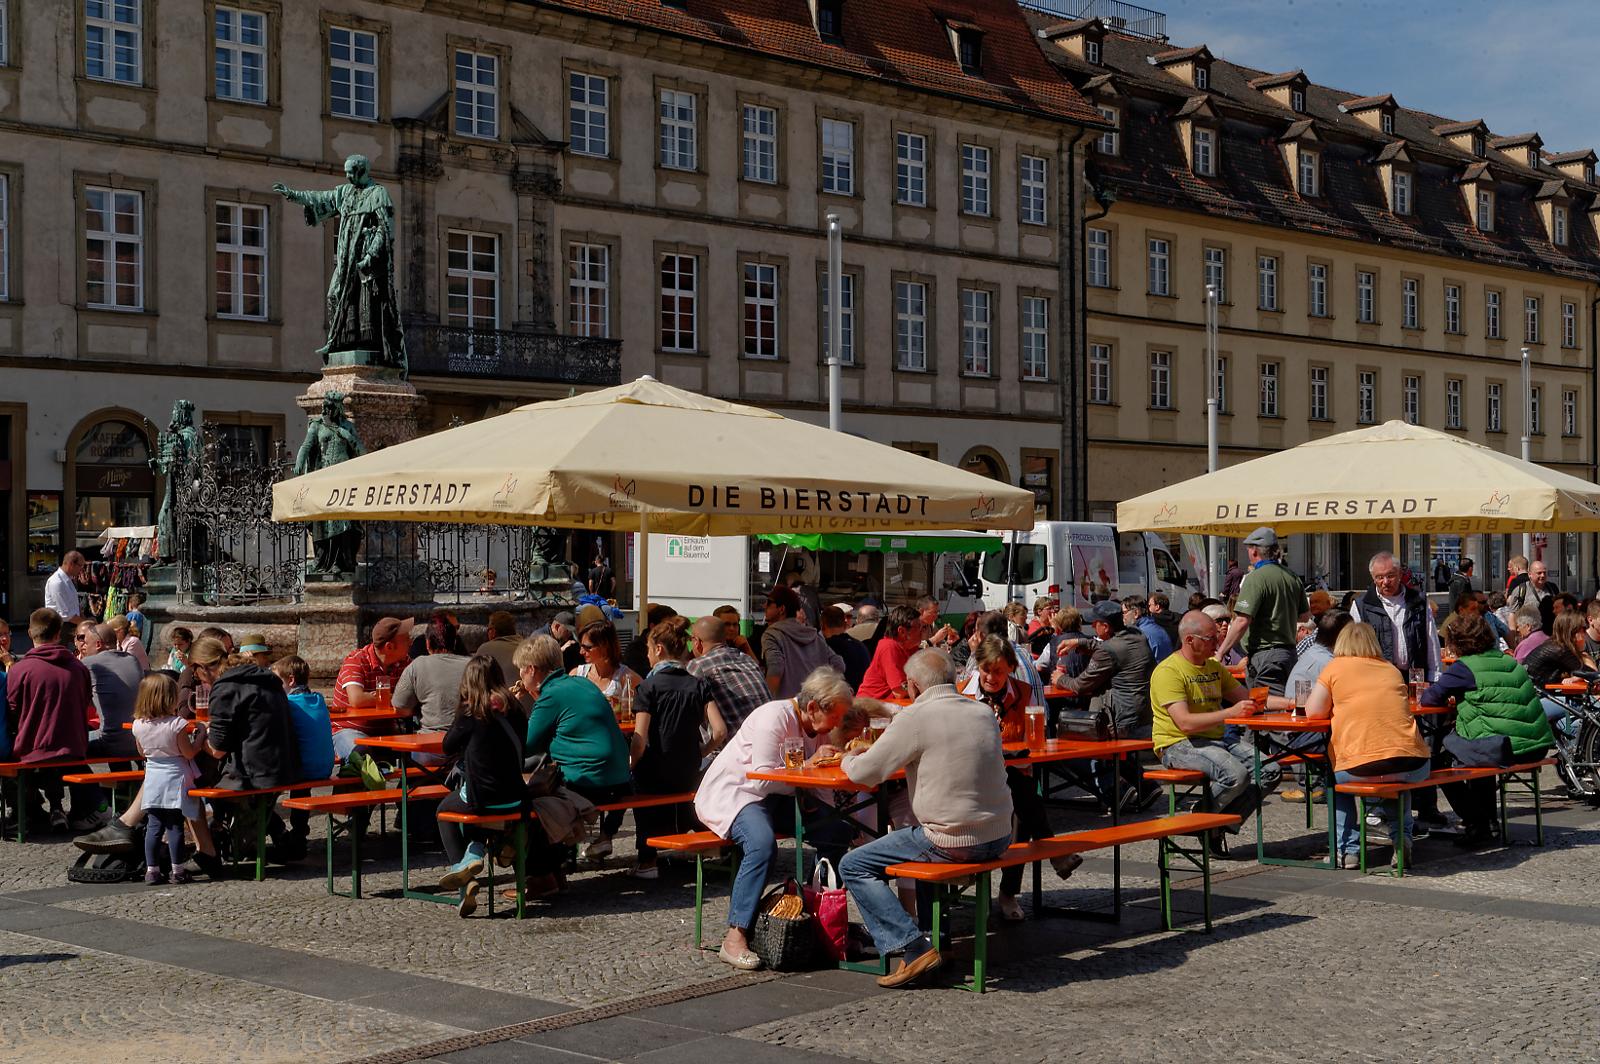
{"x": 1371, "y": 262}
{"x": 587, "y": 191}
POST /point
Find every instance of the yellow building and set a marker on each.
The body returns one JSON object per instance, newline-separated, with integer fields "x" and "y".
{"x": 1371, "y": 263}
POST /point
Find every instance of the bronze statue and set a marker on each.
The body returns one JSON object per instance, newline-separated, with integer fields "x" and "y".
{"x": 174, "y": 448}
{"x": 330, "y": 439}
{"x": 363, "y": 307}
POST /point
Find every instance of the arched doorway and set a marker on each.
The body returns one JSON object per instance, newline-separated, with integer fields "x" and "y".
{"x": 986, "y": 462}
{"x": 108, "y": 478}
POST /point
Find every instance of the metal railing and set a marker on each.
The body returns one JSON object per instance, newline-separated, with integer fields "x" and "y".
{"x": 455, "y": 563}
{"x": 229, "y": 550}
{"x": 1125, "y": 18}
{"x": 448, "y": 351}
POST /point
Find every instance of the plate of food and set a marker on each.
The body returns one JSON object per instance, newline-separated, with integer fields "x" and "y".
{"x": 826, "y": 760}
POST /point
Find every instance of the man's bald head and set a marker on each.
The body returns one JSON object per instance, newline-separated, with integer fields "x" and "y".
{"x": 711, "y": 630}
{"x": 1195, "y": 622}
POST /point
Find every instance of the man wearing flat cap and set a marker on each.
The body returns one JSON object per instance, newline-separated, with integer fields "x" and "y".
{"x": 365, "y": 668}
{"x": 1271, "y": 603}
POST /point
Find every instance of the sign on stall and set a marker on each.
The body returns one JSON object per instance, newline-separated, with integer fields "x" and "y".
{"x": 692, "y": 549}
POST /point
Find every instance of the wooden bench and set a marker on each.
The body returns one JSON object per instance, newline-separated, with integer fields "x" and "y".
{"x": 700, "y": 845}
{"x": 517, "y": 821}
{"x": 1192, "y": 780}
{"x": 20, "y": 770}
{"x": 946, "y": 875}
{"x": 1524, "y": 776}
{"x": 345, "y": 803}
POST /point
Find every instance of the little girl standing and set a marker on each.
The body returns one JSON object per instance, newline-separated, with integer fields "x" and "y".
{"x": 168, "y": 747}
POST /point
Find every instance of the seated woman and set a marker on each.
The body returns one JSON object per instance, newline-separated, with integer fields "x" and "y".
{"x": 603, "y": 667}
{"x": 1009, "y": 697}
{"x": 668, "y": 714}
{"x": 1494, "y": 696}
{"x": 752, "y": 813}
{"x": 1555, "y": 659}
{"x": 486, "y": 741}
{"x": 1374, "y": 735}
{"x": 574, "y": 724}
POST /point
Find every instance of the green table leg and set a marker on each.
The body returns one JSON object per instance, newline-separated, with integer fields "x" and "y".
{"x": 980, "y": 935}
{"x": 355, "y": 857}
{"x": 522, "y": 865}
{"x": 24, "y": 799}
{"x": 799, "y": 841}
{"x": 1400, "y": 836}
{"x": 699, "y": 898}
{"x": 1361, "y": 817}
{"x": 1166, "y": 881}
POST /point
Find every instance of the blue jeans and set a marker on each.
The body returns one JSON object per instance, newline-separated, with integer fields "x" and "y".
{"x": 862, "y": 870}
{"x": 344, "y": 742}
{"x": 1227, "y": 765}
{"x": 1347, "y": 833}
{"x": 755, "y": 831}
{"x": 1553, "y": 710}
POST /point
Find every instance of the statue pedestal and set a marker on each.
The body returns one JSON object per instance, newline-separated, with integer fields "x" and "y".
{"x": 383, "y": 405}
{"x": 329, "y": 627}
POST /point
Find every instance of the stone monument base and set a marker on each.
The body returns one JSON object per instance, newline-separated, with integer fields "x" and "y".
{"x": 382, "y": 404}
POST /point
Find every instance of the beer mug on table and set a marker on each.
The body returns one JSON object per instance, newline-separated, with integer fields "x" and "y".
{"x": 794, "y": 753}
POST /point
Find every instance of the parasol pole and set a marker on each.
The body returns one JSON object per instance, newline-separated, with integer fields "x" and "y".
{"x": 1396, "y": 545}
{"x": 644, "y": 572}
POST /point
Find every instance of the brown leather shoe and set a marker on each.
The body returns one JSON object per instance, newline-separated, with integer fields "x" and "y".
{"x": 910, "y": 973}
{"x": 536, "y": 887}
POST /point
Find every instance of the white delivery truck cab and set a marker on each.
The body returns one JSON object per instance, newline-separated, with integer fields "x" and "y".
{"x": 1079, "y": 561}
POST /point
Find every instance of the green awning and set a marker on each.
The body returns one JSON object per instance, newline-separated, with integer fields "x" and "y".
{"x": 857, "y": 542}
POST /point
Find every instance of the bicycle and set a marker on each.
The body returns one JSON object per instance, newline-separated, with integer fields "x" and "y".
{"x": 1577, "y": 739}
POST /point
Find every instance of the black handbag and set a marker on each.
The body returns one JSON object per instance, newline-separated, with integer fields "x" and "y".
{"x": 785, "y": 935}
{"x": 1491, "y": 751}
{"x": 1097, "y": 725}
{"x": 540, "y": 774}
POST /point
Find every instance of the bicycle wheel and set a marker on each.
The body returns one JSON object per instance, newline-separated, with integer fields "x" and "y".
{"x": 1585, "y": 768}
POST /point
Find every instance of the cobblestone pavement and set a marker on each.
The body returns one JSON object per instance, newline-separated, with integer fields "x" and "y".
{"x": 1472, "y": 953}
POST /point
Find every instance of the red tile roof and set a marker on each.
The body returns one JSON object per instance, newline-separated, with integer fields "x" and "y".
{"x": 896, "y": 41}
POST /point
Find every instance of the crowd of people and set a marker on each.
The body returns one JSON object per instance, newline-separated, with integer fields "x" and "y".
{"x": 709, "y": 707}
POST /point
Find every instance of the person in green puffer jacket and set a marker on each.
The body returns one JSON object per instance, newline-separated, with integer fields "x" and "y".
{"x": 1494, "y": 696}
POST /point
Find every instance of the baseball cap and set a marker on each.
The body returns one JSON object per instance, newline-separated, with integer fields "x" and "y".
{"x": 388, "y": 627}
{"x": 844, "y": 607}
{"x": 1261, "y": 537}
{"x": 1109, "y": 610}
{"x": 254, "y": 643}
{"x": 1321, "y": 602}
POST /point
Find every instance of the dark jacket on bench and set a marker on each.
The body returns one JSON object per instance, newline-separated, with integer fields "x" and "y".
{"x": 490, "y": 754}
{"x": 50, "y": 695}
{"x": 250, "y": 723}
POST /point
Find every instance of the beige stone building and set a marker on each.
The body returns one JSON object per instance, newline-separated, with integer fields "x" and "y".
{"x": 1372, "y": 262}
{"x": 586, "y": 191}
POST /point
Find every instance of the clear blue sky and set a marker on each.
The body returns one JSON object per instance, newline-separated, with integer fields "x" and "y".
{"x": 1522, "y": 66}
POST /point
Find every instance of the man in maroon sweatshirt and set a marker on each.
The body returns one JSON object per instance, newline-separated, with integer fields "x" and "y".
{"x": 49, "y": 695}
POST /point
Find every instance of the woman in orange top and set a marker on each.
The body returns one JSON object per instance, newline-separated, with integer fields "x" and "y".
{"x": 1374, "y": 734}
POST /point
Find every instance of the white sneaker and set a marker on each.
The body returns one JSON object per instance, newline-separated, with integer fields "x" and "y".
{"x": 647, "y": 873}
{"x": 597, "y": 849}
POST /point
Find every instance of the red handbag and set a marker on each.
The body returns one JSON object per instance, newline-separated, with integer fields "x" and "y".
{"x": 829, "y": 903}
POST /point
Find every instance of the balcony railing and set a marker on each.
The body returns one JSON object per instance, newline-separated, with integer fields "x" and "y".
{"x": 1124, "y": 17}
{"x": 447, "y": 351}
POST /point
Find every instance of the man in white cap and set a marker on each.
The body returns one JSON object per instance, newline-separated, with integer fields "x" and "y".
{"x": 1271, "y": 604}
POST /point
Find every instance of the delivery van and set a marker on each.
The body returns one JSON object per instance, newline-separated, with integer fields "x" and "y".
{"x": 1080, "y": 562}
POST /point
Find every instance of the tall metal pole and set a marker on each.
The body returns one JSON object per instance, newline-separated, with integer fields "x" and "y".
{"x": 1527, "y": 436}
{"x": 1213, "y": 543}
{"x": 835, "y": 317}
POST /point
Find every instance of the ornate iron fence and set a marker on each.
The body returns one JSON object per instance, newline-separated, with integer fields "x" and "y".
{"x": 442, "y": 350}
{"x": 420, "y": 562}
{"x": 229, "y": 550}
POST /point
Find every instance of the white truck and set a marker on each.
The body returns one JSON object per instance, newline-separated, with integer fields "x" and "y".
{"x": 1078, "y": 561}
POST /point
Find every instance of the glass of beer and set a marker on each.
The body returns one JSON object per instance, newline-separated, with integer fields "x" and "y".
{"x": 876, "y": 727}
{"x": 385, "y": 692}
{"x": 1302, "y": 695}
{"x": 625, "y": 703}
{"x": 202, "y": 701}
{"x": 794, "y": 753}
{"x": 1034, "y": 736}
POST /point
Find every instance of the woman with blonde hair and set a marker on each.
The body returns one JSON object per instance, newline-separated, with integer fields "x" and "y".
{"x": 1374, "y": 735}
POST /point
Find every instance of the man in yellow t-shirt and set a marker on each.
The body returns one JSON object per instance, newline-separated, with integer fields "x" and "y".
{"x": 1191, "y": 695}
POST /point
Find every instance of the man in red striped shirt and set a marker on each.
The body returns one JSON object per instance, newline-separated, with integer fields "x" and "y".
{"x": 385, "y": 658}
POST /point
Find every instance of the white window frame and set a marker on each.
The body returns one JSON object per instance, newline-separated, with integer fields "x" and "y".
{"x": 1035, "y": 338}
{"x": 1267, "y": 393}
{"x": 1033, "y": 184}
{"x": 1098, "y": 252}
{"x": 1452, "y": 402}
{"x": 113, "y": 241}
{"x": 1491, "y": 314}
{"x": 847, "y": 318}
{"x": 678, "y": 301}
{"x": 5, "y": 36}
{"x": 589, "y": 113}
{"x": 1366, "y": 397}
{"x": 1492, "y": 407}
{"x": 1569, "y": 324}
{"x": 479, "y": 97}
{"x": 113, "y": 44}
{"x": 1558, "y": 225}
{"x": 1161, "y": 380}
{"x": 353, "y": 72}
{"x": 1535, "y": 411}
{"x": 233, "y": 49}
{"x": 1569, "y": 412}
{"x": 1386, "y": 122}
{"x": 1366, "y": 297}
{"x": 1216, "y": 271}
{"x": 1109, "y": 142}
{"x": 1401, "y": 192}
{"x": 1317, "y": 290}
{"x": 976, "y": 164}
{"x": 1159, "y": 266}
{"x": 911, "y": 326}
{"x": 473, "y": 244}
{"x": 761, "y": 290}
{"x": 1411, "y": 399}
{"x": 1297, "y": 101}
{"x": 1091, "y": 52}
{"x": 910, "y": 169}
{"x": 1267, "y": 282}
{"x": 759, "y": 153}
{"x": 1530, "y": 320}
{"x": 588, "y": 289}
{"x": 678, "y": 123}
{"x": 838, "y": 157}
{"x": 977, "y": 332}
{"x": 1100, "y": 374}
{"x": 1221, "y": 368}
{"x": 1202, "y": 77}
{"x": 1308, "y": 172}
{"x": 1203, "y": 146}
{"x": 1452, "y": 308}
{"x": 1317, "y": 378}
{"x": 1485, "y": 210}
{"x": 5, "y": 237}
{"x": 238, "y": 254}
{"x": 1410, "y": 304}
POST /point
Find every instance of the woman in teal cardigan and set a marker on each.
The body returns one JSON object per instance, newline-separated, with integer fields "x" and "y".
{"x": 1494, "y": 696}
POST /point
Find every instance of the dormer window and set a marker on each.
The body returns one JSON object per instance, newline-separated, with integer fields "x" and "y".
{"x": 830, "y": 20}
{"x": 1477, "y": 145}
{"x": 1202, "y": 77}
{"x": 1400, "y": 192}
{"x": 1205, "y": 158}
{"x": 1486, "y": 210}
{"x": 1297, "y": 101}
{"x": 1558, "y": 225}
{"x": 1308, "y": 172}
{"x": 969, "y": 51}
{"x": 1107, "y": 143}
{"x": 1091, "y": 52}
{"x": 1386, "y": 123}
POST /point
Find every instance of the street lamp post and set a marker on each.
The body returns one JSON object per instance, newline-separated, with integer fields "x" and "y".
{"x": 1214, "y": 543}
{"x": 835, "y": 318}
{"x": 1527, "y": 436}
